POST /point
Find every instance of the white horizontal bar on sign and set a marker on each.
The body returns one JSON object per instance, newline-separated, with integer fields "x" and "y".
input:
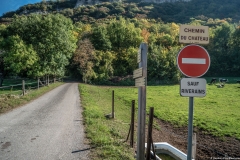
{"x": 193, "y": 61}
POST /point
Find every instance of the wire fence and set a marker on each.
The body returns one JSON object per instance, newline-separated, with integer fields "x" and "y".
{"x": 124, "y": 106}
{"x": 17, "y": 88}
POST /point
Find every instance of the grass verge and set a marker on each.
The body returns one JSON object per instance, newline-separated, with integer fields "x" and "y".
{"x": 107, "y": 135}
{"x": 10, "y": 101}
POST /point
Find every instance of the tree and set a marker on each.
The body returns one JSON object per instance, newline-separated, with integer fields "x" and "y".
{"x": 18, "y": 57}
{"x": 145, "y": 34}
{"x": 51, "y": 37}
{"x": 2, "y": 30}
{"x": 219, "y": 50}
{"x": 83, "y": 30}
{"x": 162, "y": 65}
{"x": 103, "y": 64}
{"x": 99, "y": 38}
{"x": 83, "y": 58}
{"x": 1, "y": 69}
{"x": 123, "y": 35}
{"x": 234, "y": 52}
{"x": 2, "y": 72}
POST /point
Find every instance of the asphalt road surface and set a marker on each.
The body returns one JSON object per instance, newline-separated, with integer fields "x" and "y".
{"x": 48, "y": 128}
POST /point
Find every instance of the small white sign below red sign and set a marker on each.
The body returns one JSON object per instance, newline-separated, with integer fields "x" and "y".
{"x": 193, "y": 61}
{"x": 193, "y": 87}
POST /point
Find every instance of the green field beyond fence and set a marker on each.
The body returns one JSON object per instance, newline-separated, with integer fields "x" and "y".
{"x": 15, "y": 86}
{"x": 218, "y": 113}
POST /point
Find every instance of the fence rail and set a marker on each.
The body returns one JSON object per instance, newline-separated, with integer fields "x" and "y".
{"x": 23, "y": 88}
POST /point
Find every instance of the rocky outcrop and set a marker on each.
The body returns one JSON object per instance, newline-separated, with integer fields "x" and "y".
{"x": 91, "y": 2}
{"x": 86, "y": 2}
{"x": 163, "y": 1}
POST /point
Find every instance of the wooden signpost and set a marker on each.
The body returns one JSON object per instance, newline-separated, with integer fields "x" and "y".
{"x": 138, "y": 73}
{"x": 140, "y": 76}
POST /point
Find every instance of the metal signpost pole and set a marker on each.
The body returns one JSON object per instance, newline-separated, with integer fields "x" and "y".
{"x": 190, "y": 128}
{"x": 142, "y": 105}
{"x": 193, "y": 61}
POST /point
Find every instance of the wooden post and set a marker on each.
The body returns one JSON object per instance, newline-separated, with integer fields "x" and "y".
{"x": 149, "y": 137}
{"x": 132, "y": 123}
{"x": 113, "y": 116}
{"x": 23, "y": 87}
{"x": 38, "y": 83}
{"x": 142, "y": 91}
{"x": 48, "y": 80}
{"x": 194, "y": 146}
{"x": 1, "y": 79}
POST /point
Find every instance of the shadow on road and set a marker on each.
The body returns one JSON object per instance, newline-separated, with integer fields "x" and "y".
{"x": 82, "y": 150}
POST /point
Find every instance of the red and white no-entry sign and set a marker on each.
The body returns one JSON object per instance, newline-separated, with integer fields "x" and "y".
{"x": 193, "y": 61}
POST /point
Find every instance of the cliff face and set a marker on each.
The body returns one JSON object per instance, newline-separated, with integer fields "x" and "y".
{"x": 91, "y": 2}
{"x": 87, "y": 2}
{"x": 163, "y": 1}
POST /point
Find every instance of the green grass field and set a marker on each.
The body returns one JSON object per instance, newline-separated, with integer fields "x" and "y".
{"x": 218, "y": 113}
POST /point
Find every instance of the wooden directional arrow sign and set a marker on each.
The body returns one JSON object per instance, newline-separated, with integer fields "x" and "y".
{"x": 138, "y": 73}
{"x": 140, "y": 82}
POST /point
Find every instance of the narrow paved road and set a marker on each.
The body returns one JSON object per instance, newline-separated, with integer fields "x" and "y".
{"x": 48, "y": 128}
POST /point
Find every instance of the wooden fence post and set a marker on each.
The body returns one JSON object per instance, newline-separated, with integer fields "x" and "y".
{"x": 113, "y": 116}
{"x": 149, "y": 137}
{"x": 194, "y": 146}
{"x": 23, "y": 87}
{"x": 48, "y": 80}
{"x": 132, "y": 123}
{"x": 38, "y": 83}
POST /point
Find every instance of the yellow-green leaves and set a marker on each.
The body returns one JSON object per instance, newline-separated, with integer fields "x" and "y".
{"x": 48, "y": 41}
{"x": 18, "y": 56}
